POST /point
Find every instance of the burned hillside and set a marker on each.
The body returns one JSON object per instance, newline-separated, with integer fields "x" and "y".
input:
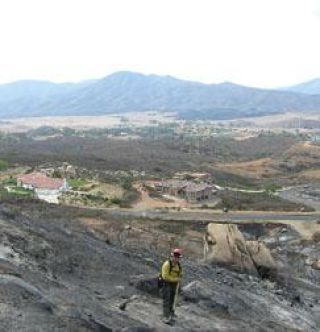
{"x": 69, "y": 270}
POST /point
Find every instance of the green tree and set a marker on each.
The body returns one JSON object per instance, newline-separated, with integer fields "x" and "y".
{"x": 3, "y": 165}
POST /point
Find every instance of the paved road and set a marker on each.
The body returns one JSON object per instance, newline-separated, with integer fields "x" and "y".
{"x": 214, "y": 216}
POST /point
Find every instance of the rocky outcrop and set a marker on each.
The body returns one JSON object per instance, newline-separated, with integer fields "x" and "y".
{"x": 224, "y": 244}
{"x": 262, "y": 258}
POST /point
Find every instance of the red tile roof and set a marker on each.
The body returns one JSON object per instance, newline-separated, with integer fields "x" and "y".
{"x": 41, "y": 181}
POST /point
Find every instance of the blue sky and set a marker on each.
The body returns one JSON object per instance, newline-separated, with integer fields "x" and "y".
{"x": 263, "y": 43}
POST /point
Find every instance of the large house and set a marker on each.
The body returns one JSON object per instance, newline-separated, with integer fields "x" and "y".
{"x": 196, "y": 192}
{"x": 192, "y": 192}
{"x": 45, "y": 188}
{"x": 172, "y": 187}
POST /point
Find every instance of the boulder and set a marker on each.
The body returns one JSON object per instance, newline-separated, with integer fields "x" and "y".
{"x": 228, "y": 247}
{"x": 261, "y": 257}
{"x": 224, "y": 244}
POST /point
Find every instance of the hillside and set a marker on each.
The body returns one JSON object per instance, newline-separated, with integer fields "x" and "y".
{"x": 127, "y": 91}
{"x": 73, "y": 270}
{"x": 311, "y": 87}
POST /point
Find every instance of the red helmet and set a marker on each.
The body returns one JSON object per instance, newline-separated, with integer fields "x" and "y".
{"x": 177, "y": 252}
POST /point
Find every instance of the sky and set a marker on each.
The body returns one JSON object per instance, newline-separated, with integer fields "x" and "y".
{"x": 261, "y": 43}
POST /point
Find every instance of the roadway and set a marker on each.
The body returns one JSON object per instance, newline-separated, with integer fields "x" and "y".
{"x": 217, "y": 216}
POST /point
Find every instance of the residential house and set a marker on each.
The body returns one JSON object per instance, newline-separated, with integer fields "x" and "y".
{"x": 172, "y": 187}
{"x": 193, "y": 192}
{"x": 45, "y": 188}
{"x": 196, "y": 192}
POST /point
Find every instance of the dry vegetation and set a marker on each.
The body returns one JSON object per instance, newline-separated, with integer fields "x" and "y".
{"x": 302, "y": 155}
{"x": 256, "y": 169}
{"x": 299, "y": 163}
{"x": 23, "y": 125}
{"x": 166, "y": 154}
{"x": 257, "y": 202}
{"x": 261, "y": 162}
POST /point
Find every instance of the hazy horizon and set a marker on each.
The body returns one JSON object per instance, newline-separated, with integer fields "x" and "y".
{"x": 265, "y": 43}
{"x": 147, "y": 74}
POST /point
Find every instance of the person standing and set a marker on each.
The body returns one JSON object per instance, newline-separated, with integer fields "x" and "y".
{"x": 171, "y": 274}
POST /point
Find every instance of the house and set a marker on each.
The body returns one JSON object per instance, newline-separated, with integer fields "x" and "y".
{"x": 172, "y": 187}
{"x": 45, "y": 188}
{"x": 192, "y": 192}
{"x": 196, "y": 192}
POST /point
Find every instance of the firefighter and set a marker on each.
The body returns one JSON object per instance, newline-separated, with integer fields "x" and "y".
{"x": 171, "y": 274}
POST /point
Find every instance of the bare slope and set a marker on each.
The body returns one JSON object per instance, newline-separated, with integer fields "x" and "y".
{"x": 59, "y": 274}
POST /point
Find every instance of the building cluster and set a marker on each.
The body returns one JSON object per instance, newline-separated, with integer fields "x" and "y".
{"x": 197, "y": 188}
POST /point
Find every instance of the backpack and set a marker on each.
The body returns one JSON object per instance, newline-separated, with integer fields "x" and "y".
{"x": 160, "y": 279}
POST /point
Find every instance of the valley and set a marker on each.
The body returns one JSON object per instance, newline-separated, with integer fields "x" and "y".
{"x": 88, "y": 261}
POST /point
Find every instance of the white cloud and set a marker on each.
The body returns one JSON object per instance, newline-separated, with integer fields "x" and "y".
{"x": 259, "y": 43}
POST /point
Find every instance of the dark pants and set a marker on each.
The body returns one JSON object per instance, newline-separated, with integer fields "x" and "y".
{"x": 169, "y": 293}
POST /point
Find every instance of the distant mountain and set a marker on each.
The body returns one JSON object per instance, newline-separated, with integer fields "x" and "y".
{"x": 127, "y": 91}
{"x": 36, "y": 89}
{"x": 310, "y": 87}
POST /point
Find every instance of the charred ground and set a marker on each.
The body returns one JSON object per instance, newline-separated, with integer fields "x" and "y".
{"x": 67, "y": 269}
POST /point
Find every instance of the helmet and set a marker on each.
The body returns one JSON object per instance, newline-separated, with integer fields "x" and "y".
{"x": 176, "y": 252}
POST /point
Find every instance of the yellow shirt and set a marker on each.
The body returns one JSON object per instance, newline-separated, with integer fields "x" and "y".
{"x": 173, "y": 276}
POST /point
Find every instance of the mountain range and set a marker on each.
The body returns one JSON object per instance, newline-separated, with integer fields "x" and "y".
{"x": 311, "y": 87}
{"x": 128, "y": 91}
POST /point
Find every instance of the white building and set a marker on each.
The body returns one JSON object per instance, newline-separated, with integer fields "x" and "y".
{"x": 45, "y": 188}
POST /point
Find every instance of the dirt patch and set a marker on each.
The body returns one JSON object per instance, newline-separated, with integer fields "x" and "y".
{"x": 154, "y": 200}
{"x": 146, "y": 202}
